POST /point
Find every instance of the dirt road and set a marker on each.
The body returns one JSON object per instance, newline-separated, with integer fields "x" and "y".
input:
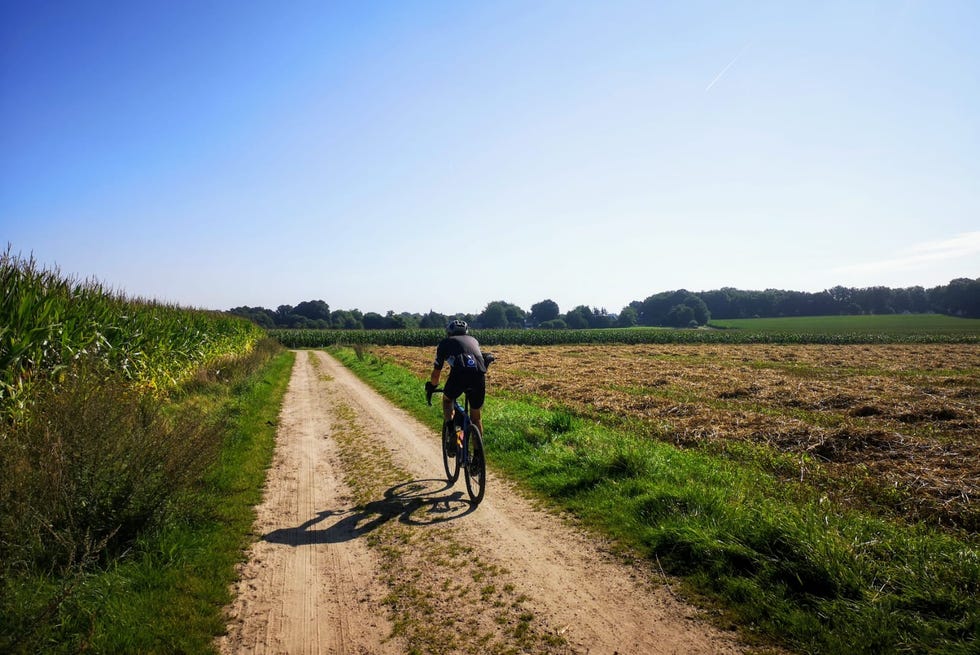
{"x": 362, "y": 548}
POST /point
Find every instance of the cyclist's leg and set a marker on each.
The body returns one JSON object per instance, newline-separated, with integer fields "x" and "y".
{"x": 455, "y": 384}
{"x": 476, "y": 394}
{"x": 447, "y": 409}
{"x": 476, "y": 415}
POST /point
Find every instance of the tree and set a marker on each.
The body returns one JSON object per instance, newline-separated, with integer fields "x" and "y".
{"x": 501, "y": 314}
{"x": 680, "y": 316}
{"x": 918, "y": 300}
{"x": 627, "y": 318}
{"x": 661, "y": 309}
{"x": 394, "y": 321}
{"x": 874, "y": 300}
{"x": 963, "y": 297}
{"x": 546, "y": 310}
{"x": 578, "y": 318}
{"x": 434, "y": 320}
{"x": 282, "y": 312}
{"x": 791, "y": 303}
{"x": 700, "y": 309}
{"x": 721, "y": 303}
{"x": 654, "y": 310}
{"x": 494, "y": 316}
{"x": 295, "y": 321}
{"x": 374, "y": 321}
{"x": 841, "y": 295}
{"x": 258, "y": 315}
{"x": 315, "y": 310}
{"x": 345, "y": 320}
{"x": 600, "y": 318}
{"x": 821, "y": 304}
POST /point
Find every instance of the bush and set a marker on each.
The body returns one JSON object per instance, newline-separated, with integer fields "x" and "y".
{"x": 94, "y": 463}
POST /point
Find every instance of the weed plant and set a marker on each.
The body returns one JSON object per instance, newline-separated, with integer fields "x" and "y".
{"x": 785, "y": 564}
{"x": 96, "y": 462}
{"x": 123, "y": 511}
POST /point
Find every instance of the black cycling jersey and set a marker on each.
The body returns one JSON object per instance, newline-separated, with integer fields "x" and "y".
{"x": 467, "y": 370}
{"x": 460, "y": 352}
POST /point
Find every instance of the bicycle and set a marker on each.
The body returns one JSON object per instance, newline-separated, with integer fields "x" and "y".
{"x": 464, "y": 448}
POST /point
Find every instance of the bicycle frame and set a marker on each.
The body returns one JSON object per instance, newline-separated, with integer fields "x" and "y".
{"x": 462, "y": 451}
{"x": 472, "y": 464}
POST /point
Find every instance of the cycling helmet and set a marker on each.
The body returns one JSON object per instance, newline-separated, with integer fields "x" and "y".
{"x": 456, "y": 327}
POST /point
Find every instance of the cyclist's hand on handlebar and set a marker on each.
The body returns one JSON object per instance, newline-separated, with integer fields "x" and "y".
{"x": 429, "y": 390}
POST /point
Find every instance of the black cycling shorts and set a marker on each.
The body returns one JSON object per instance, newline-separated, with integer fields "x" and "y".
{"x": 470, "y": 381}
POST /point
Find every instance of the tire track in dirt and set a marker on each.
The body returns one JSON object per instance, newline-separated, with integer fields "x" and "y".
{"x": 413, "y": 559}
{"x": 304, "y": 589}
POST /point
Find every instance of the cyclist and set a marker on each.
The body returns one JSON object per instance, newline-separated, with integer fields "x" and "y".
{"x": 467, "y": 373}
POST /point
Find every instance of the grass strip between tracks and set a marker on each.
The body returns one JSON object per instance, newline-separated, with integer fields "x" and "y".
{"x": 780, "y": 562}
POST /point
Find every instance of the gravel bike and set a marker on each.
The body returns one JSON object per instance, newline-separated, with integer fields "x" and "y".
{"x": 462, "y": 448}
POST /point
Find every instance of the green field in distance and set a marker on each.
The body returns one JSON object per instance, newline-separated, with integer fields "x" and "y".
{"x": 897, "y": 324}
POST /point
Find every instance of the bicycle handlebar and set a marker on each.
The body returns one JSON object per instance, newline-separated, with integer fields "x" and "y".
{"x": 428, "y": 395}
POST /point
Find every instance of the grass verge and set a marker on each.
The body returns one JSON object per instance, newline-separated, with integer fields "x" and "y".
{"x": 164, "y": 589}
{"x": 785, "y": 563}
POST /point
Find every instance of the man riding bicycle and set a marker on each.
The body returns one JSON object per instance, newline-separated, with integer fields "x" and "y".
{"x": 467, "y": 373}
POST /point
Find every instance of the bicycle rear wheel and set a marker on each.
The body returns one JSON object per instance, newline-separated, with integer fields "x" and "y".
{"x": 450, "y": 463}
{"x": 476, "y": 466}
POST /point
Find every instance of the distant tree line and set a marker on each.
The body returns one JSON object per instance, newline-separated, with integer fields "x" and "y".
{"x": 681, "y": 308}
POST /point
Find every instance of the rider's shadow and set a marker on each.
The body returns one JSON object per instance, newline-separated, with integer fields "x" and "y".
{"x": 414, "y": 502}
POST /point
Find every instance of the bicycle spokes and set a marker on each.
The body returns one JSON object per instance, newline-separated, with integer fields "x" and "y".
{"x": 475, "y": 465}
{"x": 451, "y": 454}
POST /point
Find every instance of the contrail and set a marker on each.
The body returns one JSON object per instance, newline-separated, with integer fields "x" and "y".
{"x": 725, "y": 69}
{"x": 962, "y": 245}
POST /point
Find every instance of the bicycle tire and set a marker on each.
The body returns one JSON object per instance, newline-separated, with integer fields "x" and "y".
{"x": 450, "y": 463}
{"x": 476, "y": 466}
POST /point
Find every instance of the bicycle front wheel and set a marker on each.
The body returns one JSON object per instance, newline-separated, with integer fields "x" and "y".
{"x": 450, "y": 456}
{"x": 476, "y": 466}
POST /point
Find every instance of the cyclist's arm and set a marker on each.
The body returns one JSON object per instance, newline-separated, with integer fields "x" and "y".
{"x": 437, "y": 366}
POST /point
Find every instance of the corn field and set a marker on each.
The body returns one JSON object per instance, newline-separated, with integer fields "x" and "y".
{"x": 499, "y": 337}
{"x": 47, "y": 322}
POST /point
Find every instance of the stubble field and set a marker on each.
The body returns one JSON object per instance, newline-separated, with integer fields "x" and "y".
{"x": 892, "y": 428}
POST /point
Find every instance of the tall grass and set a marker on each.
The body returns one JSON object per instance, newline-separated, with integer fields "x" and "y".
{"x": 782, "y": 561}
{"x": 97, "y": 463}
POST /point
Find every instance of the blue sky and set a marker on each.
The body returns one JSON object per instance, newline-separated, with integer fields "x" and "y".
{"x": 440, "y": 155}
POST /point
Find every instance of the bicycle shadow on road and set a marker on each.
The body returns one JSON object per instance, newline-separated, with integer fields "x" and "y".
{"x": 416, "y": 502}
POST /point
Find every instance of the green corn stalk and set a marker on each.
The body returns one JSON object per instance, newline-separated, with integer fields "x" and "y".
{"x": 48, "y": 322}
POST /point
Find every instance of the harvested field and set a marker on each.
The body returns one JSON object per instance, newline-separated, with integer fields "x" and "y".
{"x": 893, "y": 427}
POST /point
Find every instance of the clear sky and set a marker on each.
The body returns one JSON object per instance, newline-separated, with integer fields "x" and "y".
{"x": 411, "y": 156}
